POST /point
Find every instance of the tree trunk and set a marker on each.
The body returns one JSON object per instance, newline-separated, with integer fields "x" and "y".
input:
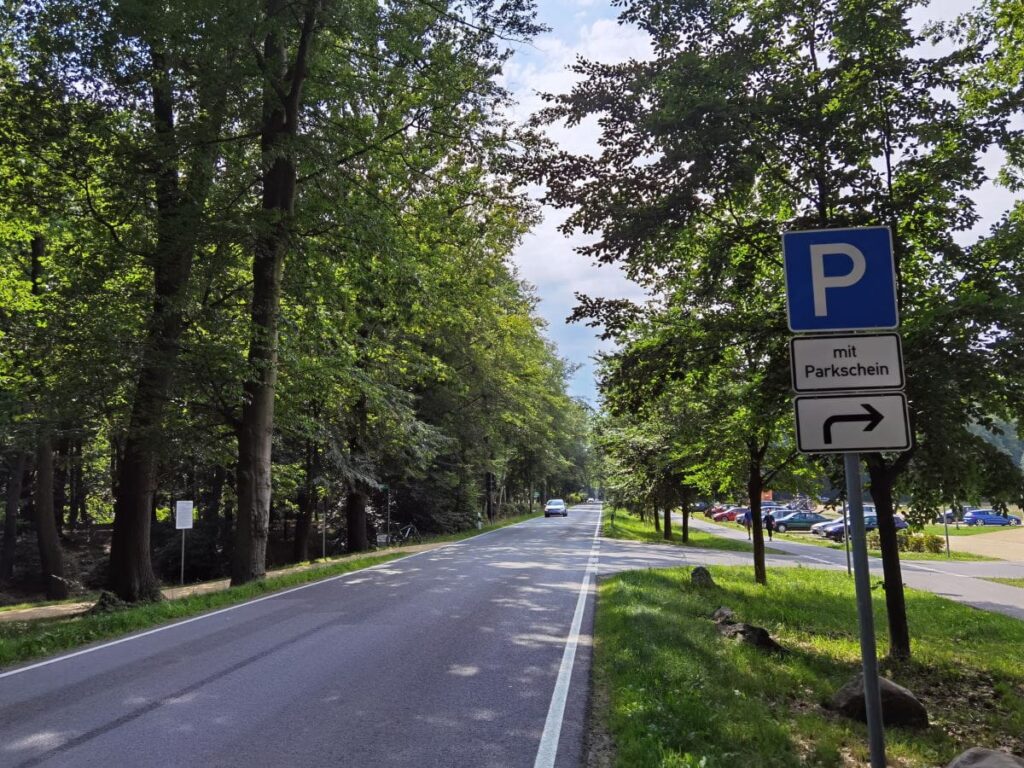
{"x": 685, "y": 500}
{"x": 252, "y": 523}
{"x": 668, "y": 522}
{"x": 15, "y": 474}
{"x": 895, "y": 602}
{"x": 210, "y": 512}
{"x": 76, "y": 483}
{"x": 308, "y": 498}
{"x": 657, "y": 518}
{"x": 355, "y": 522}
{"x": 60, "y": 481}
{"x": 754, "y": 487}
{"x": 178, "y": 214}
{"x": 50, "y": 555}
{"x": 282, "y": 100}
{"x": 489, "y": 484}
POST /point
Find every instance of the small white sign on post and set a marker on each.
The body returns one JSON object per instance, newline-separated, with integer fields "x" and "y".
{"x": 831, "y": 363}
{"x": 183, "y": 515}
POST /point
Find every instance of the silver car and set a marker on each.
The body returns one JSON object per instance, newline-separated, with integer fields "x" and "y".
{"x": 555, "y": 507}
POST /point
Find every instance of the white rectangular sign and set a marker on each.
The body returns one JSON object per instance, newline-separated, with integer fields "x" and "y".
{"x": 183, "y": 514}
{"x": 852, "y": 422}
{"x": 828, "y": 363}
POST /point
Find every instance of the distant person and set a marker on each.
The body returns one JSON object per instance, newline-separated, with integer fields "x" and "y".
{"x": 747, "y": 522}
{"x": 769, "y": 524}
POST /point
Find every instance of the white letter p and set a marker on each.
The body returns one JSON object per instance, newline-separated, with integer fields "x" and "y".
{"x": 821, "y": 283}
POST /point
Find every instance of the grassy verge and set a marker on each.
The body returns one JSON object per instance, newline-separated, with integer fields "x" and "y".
{"x": 1011, "y": 582}
{"x": 820, "y": 541}
{"x": 680, "y": 695}
{"x": 25, "y": 640}
{"x": 633, "y": 529}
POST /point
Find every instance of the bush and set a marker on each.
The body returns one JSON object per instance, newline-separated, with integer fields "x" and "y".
{"x": 910, "y": 542}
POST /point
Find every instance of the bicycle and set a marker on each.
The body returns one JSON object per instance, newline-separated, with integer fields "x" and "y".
{"x": 405, "y": 534}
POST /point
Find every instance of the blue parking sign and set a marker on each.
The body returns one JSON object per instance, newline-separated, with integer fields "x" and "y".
{"x": 840, "y": 279}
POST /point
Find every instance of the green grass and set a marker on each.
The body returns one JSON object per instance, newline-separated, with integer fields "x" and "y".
{"x": 678, "y": 694}
{"x": 821, "y": 541}
{"x": 633, "y": 529}
{"x": 1011, "y": 582}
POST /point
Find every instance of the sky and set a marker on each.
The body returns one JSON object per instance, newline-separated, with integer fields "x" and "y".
{"x": 546, "y": 258}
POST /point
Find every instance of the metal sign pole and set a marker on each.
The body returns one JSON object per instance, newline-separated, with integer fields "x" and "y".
{"x": 182, "y": 557}
{"x": 846, "y": 538}
{"x": 945, "y": 520}
{"x": 862, "y": 583}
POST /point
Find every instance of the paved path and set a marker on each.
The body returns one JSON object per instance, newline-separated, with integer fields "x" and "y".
{"x": 1005, "y": 543}
{"x": 964, "y": 581}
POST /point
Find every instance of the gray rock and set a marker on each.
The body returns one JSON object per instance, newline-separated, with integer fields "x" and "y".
{"x": 899, "y": 706}
{"x": 977, "y": 757}
{"x": 750, "y": 634}
{"x": 701, "y": 577}
{"x": 723, "y": 615}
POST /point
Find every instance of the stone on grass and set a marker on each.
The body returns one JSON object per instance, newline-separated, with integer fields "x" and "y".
{"x": 899, "y": 706}
{"x": 723, "y": 615}
{"x": 977, "y": 757}
{"x": 701, "y": 577}
{"x": 748, "y": 633}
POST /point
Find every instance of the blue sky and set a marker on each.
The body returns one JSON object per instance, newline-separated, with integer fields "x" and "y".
{"x": 546, "y": 258}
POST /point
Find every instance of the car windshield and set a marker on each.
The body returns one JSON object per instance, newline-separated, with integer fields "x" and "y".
{"x": 556, "y": 503}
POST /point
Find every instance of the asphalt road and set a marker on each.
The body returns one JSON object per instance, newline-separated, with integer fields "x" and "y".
{"x": 447, "y": 658}
{"x": 474, "y": 654}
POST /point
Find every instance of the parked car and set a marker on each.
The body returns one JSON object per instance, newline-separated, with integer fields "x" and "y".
{"x": 819, "y": 528}
{"x": 798, "y": 521}
{"x": 837, "y": 531}
{"x": 949, "y": 516}
{"x": 989, "y": 517}
{"x": 715, "y": 508}
{"x": 555, "y": 507}
{"x": 729, "y": 515}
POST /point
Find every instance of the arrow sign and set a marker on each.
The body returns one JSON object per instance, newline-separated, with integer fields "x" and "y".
{"x": 872, "y": 417}
{"x": 852, "y": 422}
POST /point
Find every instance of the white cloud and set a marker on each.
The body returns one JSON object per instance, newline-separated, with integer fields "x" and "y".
{"x": 546, "y": 257}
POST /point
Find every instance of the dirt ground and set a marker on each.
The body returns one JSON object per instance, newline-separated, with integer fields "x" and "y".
{"x": 1006, "y": 544}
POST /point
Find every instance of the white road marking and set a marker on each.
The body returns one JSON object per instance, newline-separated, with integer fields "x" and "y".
{"x": 548, "y": 749}
{"x": 200, "y": 617}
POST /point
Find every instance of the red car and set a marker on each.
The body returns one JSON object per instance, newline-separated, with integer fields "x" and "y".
{"x": 729, "y": 515}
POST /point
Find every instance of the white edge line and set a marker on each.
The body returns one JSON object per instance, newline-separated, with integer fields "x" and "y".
{"x": 547, "y": 751}
{"x": 200, "y": 617}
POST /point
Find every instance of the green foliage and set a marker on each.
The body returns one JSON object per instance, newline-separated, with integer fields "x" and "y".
{"x": 911, "y": 542}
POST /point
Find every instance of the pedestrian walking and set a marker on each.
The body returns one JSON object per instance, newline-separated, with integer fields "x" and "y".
{"x": 747, "y": 522}
{"x": 769, "y": 524}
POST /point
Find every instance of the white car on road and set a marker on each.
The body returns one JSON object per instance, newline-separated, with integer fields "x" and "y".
{"x": 556, "y": 507}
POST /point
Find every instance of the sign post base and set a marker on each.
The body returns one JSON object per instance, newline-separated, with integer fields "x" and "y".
{"x": 866, "y": 619}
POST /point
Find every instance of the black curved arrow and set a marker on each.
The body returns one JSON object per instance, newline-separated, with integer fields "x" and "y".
{"x": 872, "y": 417}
